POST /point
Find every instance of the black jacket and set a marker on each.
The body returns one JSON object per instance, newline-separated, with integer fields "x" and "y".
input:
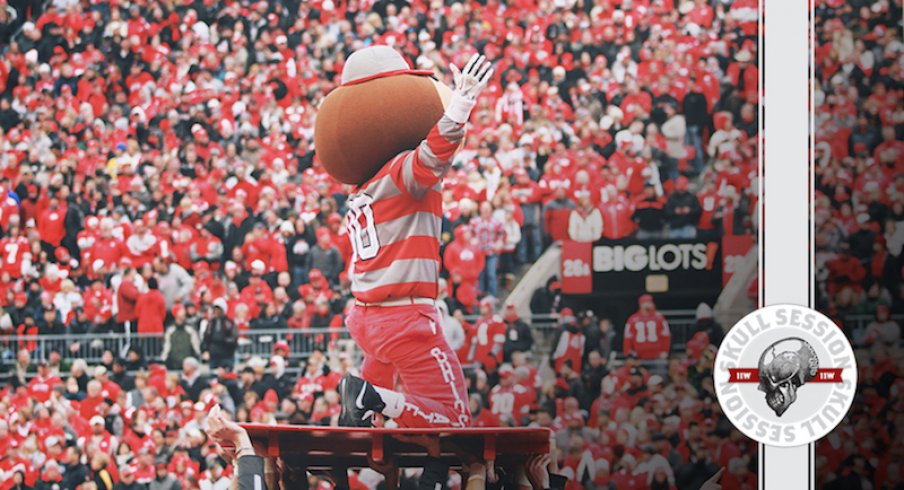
{"x": 297, "y": 248}
{"x": 194, "y": 389}
{"x": 649, "y": 215}
{"x": 696, "y": 112}
{"x": 220, "y": 338}
{"x": 51, "y": 485}
{"x": 261, "y": 386}
{"x": 235, "y": 235}
{"x": 544, "y": 301}
{"x": 250, "y": 470}
{"x": 284, "y": 386}
{"x": 133, "y": 486}
{"x": 861, "y": 242}
{"x": 518, "y": 338}
{"x": 683, "y": 199}
{"x": 9, "y": 119}
{"x": 73, "y": 476}
{"x": 714, "y": 330}
{"x": 592, "y": 377}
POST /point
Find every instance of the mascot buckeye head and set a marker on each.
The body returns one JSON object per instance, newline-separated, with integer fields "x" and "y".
{"x": 382, "y": 108}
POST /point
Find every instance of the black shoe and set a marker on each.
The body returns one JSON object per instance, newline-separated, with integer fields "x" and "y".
{"x": 360, "y": 401}
{"x": 435, "y": 475}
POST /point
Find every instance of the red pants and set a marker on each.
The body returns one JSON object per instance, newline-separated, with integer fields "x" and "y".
{"x": 408, "y": 342}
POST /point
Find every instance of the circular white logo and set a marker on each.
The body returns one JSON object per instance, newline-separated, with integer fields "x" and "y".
{"x": 785, "y": 375}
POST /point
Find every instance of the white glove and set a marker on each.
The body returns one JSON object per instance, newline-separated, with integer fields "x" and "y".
{"x": 468, "y": 84}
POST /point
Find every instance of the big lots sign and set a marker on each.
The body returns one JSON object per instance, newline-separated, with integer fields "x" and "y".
{"x": 686, "y": 270}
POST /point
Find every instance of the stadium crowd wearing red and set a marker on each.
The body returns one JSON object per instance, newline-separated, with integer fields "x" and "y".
{"x": 158, "y": 173}
{"x": 860, "y": 229}
{"x": 186, "y": 128}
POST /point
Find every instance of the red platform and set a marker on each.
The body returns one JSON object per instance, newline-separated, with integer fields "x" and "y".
{"x": 334, "y": 449}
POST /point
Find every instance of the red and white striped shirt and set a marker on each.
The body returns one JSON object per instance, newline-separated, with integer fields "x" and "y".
{"x": 394, "y": 221}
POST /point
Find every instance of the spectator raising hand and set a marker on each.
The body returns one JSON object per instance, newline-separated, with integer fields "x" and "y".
{"x": 713, "y": 482}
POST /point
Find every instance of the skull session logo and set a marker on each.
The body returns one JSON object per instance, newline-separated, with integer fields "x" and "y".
{"x": 785, "y": 375}
{"x": 782, "y": 373}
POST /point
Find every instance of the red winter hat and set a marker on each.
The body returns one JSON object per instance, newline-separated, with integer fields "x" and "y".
{"x": 645, "y": 298}
{"x": 62, "y": 255}
{"x": 271, "y": 396}
{"x": 178, "y": 308}
{"x": 510, "y": 313}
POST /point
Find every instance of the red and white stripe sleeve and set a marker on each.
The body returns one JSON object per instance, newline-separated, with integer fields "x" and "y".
{"x": 424, "y": 168}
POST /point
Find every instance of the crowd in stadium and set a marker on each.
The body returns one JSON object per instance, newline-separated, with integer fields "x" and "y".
{"x": 157, "y": 175}
{"x": 860, "y": 228}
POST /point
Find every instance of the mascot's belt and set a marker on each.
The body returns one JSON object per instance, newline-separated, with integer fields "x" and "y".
{"x": 411, "y": 300}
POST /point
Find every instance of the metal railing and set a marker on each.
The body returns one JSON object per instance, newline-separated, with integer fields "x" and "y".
{"x": 861, "y": 321}
{"x": 260, "y": 342}
{"x": 856, "y": 326}
{"x": 303, "y": 341}
{"x": 251, "y": 343}
{"x": 681, "y": 323}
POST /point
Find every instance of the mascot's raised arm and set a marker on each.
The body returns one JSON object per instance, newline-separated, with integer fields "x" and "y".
{"x": 392, "y": 132}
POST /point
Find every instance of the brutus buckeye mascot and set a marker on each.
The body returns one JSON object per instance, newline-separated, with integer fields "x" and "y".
{"x": 392, "y": 132}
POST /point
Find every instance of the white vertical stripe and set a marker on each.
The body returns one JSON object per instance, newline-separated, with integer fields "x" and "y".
{"x": 786, "y": 225}
{"x": 258, "y": 483}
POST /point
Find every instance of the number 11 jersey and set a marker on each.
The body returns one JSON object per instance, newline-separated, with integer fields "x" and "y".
{"x": 394, "y": 221}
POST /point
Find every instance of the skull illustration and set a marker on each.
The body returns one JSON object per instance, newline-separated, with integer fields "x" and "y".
{"x": 784, "y": 367}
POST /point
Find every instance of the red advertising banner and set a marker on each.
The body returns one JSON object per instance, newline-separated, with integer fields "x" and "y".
{"x": 734, "y": 249}
{"x": 577, "y": 277}
{"x": 752, "y": 375}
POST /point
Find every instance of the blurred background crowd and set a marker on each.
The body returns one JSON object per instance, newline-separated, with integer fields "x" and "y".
{"x": 158, "y": 181}
{"x": 859, "y": 223}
